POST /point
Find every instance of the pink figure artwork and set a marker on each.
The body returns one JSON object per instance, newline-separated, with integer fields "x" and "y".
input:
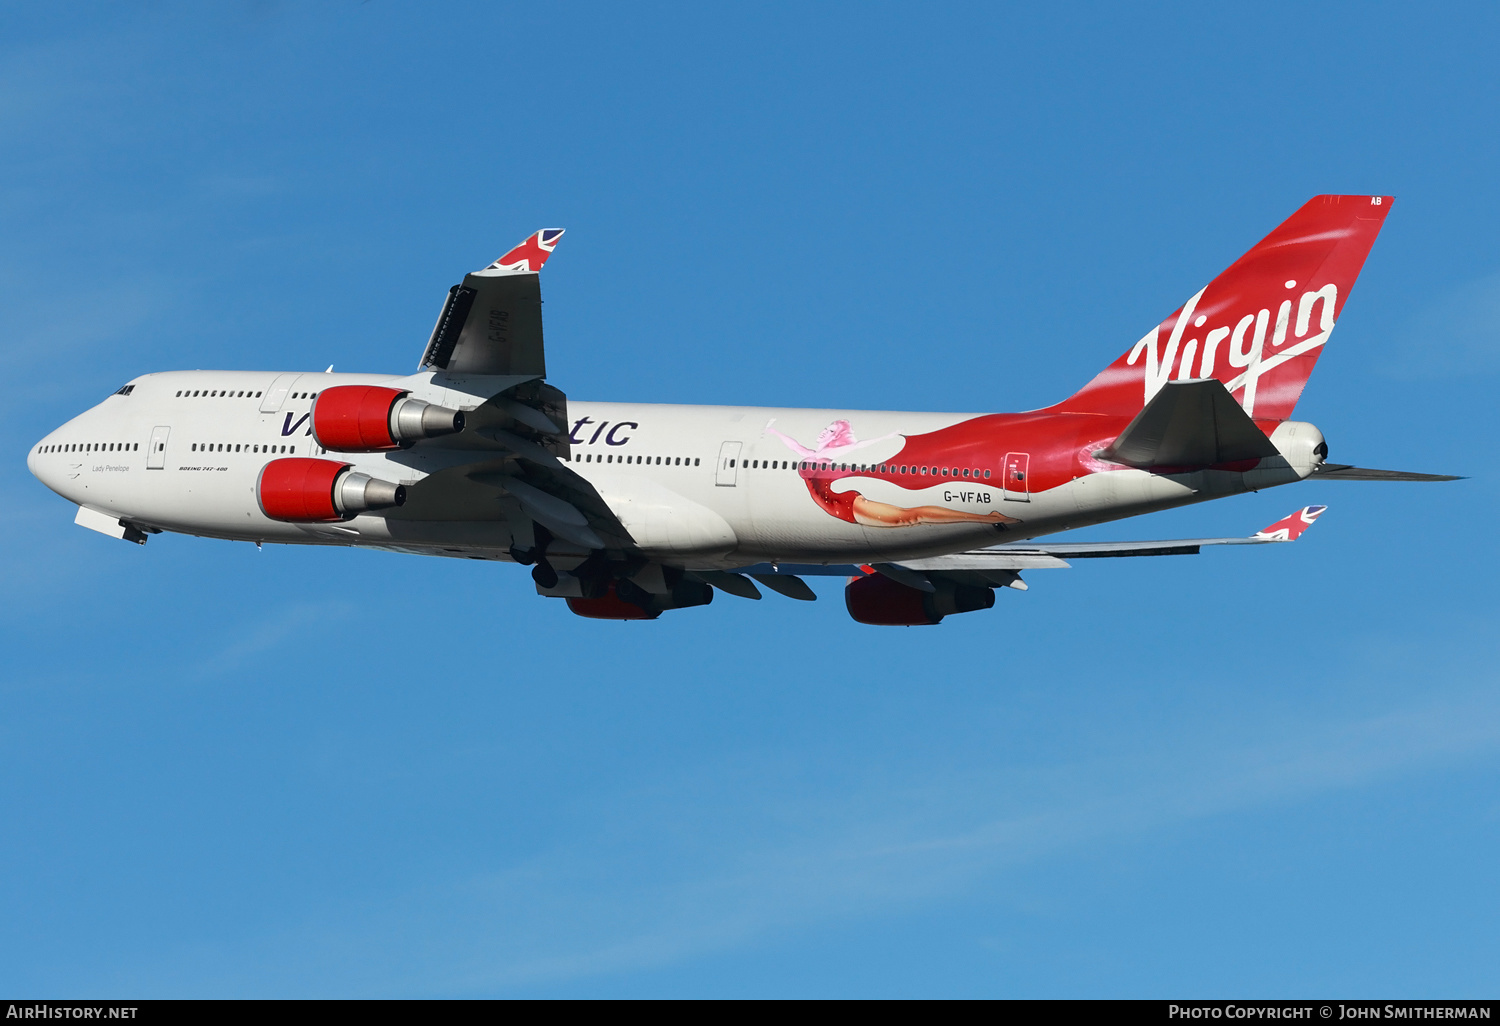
{"x": 834, "y": 443}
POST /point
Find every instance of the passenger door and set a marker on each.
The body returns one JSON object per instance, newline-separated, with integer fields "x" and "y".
{"x": 1017, "y": 488}
{"x": 729, "y": 458}
{"x": 156, "y": 451}
{"x": 276, "y": 394}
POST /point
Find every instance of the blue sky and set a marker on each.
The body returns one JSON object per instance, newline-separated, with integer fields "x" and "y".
{"x": 337, "y": 773}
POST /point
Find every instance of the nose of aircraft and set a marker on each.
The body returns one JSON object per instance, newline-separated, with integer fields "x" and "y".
{"x": 50, "y": 468}
{"x": 34, "y": 461}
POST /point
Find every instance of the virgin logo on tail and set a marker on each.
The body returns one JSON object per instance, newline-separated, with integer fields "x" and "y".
{"x": 1247, "y": 344}
{"x": 1260, "y": 325}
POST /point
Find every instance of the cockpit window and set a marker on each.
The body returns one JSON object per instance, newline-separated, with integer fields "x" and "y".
{"x": 126, "y": 390}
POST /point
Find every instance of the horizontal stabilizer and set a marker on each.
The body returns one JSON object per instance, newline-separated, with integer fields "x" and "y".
{"x": 1189, "y": 424}
{"x": 1344, "y": 472}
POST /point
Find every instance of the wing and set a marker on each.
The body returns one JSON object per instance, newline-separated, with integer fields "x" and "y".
{"x": 1034, "y": 555}
{"x": 492, "y": 322}
{"x": 1344, "y": 472}
{"x": 1000, "y": 565}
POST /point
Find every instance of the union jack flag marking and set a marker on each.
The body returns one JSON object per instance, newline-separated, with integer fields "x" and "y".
{"x": 529, "y": 256}
{"x": 1291, "y": 528}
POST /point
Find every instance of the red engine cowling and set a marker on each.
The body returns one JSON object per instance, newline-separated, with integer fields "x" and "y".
{"x": 881, "y": 601}
{"x": 373, "y": 418}
{"x": 303, "y": 490}
{"x": 610, "y": 606}
{"x": 878, "y": 600}
{"x": 626, "y": 600}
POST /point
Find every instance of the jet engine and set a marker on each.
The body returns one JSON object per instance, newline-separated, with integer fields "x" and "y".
{"x": 303, "y": 490}
{"x": 878, "y": 600}
{"x": 626, "y": 600}
{"x": 372, "y": 418}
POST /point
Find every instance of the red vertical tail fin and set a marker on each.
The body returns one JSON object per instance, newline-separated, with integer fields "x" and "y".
{"x": 1260, "y": 325}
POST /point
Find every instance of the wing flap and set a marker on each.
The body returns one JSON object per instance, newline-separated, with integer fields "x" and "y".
{"x": 731, "y": 584}
{"x": 786, "y": 584}
{"x": 990, "y": 559}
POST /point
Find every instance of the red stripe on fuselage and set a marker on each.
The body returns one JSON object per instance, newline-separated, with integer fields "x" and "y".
{"x": 1058, "y": 444}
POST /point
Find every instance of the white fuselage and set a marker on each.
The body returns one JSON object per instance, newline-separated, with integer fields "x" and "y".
{"x": 698, "y": 486}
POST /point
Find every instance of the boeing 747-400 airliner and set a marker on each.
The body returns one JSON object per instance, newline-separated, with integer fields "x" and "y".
{"x": 626, "y": 510}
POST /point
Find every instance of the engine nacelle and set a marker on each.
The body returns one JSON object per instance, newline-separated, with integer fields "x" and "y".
{"x": 610, "y": 607}
{"x": 626, "y": 600}
{"x": 372, "y": 418}
{"x": 880, "y": 601}
{"x": 300, "y": 489}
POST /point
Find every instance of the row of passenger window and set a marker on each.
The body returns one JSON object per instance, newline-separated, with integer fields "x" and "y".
{"x": 670, "y": 461}
{"x": 230, "y": 447}
{"x": 223, "y": 393}
{"x": 90, "y": 447}
{"x": 864, "y": 468}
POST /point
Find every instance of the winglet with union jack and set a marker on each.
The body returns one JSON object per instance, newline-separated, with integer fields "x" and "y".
{"x": 1291, "y": 528}
{"x": 528, "y": 257}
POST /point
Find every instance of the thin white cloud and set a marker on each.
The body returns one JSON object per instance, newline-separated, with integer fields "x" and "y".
{"x": 622, "y": 899}
{"x": 870, "y": 866}
{"x": 271, "y": 632}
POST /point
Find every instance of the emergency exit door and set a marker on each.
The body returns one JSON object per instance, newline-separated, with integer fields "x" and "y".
{"x": 1016, "y": 471}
